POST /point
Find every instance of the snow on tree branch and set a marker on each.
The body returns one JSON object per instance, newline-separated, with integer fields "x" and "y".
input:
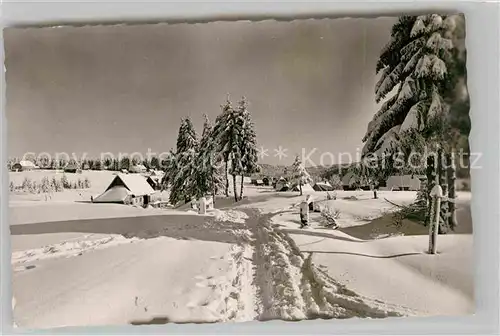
{"x": 389, "y": 142}
{"x": 418, "y": 27}
{"x": 389, "y": 82}
{"x": 413, "y": 120}
{"x": 431, "y": 66}
{"x": 437, "y": 43}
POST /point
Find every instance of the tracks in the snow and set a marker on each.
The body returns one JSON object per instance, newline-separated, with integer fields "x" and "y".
{"x": 290, "y": 287}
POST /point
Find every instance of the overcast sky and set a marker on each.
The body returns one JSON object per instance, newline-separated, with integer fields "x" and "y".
{"x": 309, "y": 84}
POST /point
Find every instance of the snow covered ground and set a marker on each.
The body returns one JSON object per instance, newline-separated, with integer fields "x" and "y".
{"x": 138, "y": 275}
{"x": 77, "y": 263}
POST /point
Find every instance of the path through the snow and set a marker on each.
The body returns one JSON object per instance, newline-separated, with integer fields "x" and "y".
{"x": 291, "y": 287}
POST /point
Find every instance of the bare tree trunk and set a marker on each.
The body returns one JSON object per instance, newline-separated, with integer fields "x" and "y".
{"x": 213, "y": 188}
{"x": 234, "y": 188}
{"x": 431, "y": 182}
{"x": 227, "y": 180}
{"x": 450, "y": 162}
{"x": 443, "y": 181}
{"x": 241, "y": 191}
{"x": 300, "y": 188}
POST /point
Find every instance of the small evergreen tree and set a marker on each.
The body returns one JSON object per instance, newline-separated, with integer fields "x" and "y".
{"x": 45, "y": 185}
{"x": 108, "y": 163}
{"x": 65, "y": 182}
{"x": 86, "y": 183}
{"x": 125, "y": 163}
{"x": 335, "y": 181}
{"x": 299, "y": 174}
{"x": 35, "y": 188}
{"x": 155, "y": 163}
{"x": 98, "y": 165}
{"x": 11, "y": 186}
{"x": 27, "y": 185}
{"x": 57, "y": 184}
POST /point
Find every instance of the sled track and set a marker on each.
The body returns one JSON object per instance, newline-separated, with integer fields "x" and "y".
{"x": 290, "y": 287}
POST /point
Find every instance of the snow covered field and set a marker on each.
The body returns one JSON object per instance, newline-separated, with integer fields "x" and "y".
{"x": 78, "y": 263}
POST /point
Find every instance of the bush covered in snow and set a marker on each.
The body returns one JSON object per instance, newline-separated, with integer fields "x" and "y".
{"x": 86, "y": 183}
{"x": 57, "y": 185}
{"x": 330, "y": 215}
{"x": 65, "y": 182}
{"x": 47, "y": 185}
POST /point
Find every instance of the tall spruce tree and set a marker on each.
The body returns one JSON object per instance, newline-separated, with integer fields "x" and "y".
{"x": 416, "y": 65}
{"x": 220, "y": 136}
{"x": 183, "y": 172}
{"x": 170, "y": 169}
{"x": 249, "y": 154}
{"x": 229, "y": 131}
{"x": 208, "y": 175}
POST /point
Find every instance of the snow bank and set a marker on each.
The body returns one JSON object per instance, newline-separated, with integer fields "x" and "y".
{"x": 230, "y": 215}
{"x": 396, "y": 270}
{"x": 234, "y": 216}
{"x": 40, "y": 212}
{"x": 67, "y": 249}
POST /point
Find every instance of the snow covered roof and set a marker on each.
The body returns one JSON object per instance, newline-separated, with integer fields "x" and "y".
{"x": 323, "y": 186}
{"x": 114, "y": 194}
{"x": 135, "y": 183}
{"x": 138, "y": 168}
{"x": 26, "y": 163}
{"x": 157, "y": 173}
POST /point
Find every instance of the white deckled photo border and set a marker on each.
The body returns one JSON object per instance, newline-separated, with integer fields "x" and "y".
{"x": 483, "y": 68}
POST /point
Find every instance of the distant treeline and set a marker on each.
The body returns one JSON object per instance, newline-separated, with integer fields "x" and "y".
{"x": 91, "y": 164}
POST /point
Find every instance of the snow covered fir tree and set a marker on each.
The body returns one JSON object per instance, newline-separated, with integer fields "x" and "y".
{"x": 422, "y": 70}
{"x": 299, "y": 175}
{"x": 183, "y": 164}
{"x": 194, "y": 169}
{"x": 209, "y": 176}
